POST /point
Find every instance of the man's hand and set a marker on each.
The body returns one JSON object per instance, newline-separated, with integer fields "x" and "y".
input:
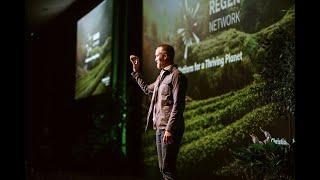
{"x": 135, "y": 63}
{"x": 167, "y": 137}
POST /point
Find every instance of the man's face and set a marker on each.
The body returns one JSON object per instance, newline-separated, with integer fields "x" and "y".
{"x": 161, "y": 58}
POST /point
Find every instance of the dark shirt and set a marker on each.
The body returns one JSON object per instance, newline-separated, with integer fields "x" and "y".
{"x": 168, "y": 99}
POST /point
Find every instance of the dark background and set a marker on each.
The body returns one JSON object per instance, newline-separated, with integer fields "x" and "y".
{"x": 54, "y": 123}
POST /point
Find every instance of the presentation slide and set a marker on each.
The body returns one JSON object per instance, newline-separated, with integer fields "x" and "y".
{"x": 234, "y": 53}
{"x": 94, "y": 51}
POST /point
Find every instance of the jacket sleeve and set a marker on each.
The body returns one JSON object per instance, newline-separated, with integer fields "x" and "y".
{"x": 179, "y": 86}
{"x": 147, "y": 89}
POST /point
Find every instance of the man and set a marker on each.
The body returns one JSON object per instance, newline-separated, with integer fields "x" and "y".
{"x": 166, "y": 108}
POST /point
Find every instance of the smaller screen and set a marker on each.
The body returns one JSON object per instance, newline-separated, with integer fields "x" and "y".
{"x": 94, "y": 51}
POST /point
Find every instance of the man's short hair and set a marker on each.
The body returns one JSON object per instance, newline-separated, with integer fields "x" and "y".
{"x": 169, "y": 50}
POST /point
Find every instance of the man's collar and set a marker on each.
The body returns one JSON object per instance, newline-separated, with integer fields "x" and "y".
{"x": 168, "y": 68}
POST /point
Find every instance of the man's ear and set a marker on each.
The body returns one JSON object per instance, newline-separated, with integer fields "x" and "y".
{"x": 166, "y": 56}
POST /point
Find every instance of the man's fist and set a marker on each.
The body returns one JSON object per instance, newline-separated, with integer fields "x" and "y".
{"x": 135, "y": 63}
